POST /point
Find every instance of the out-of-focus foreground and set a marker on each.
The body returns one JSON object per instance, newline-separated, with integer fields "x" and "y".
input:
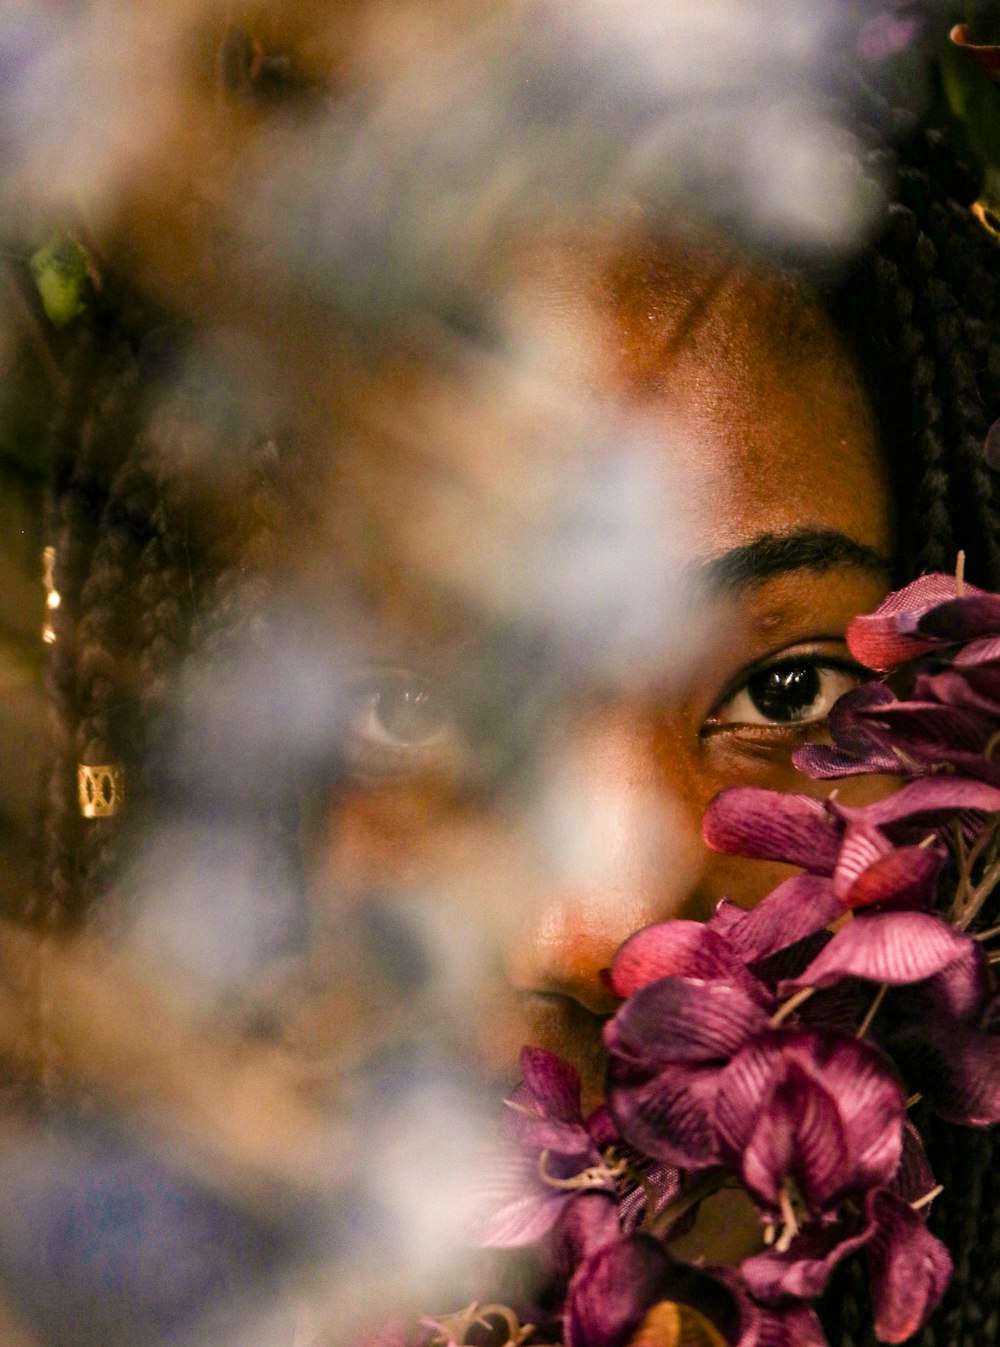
{"x": 243, "y": 1108}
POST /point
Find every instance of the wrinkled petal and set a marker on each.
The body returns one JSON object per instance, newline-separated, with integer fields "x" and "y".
{"x": 587, "y": 1222}
{"x": 858, "y": 746}
{"x": 908, "y": 1269}
{"x": 958, "y": 992}
{"x": 669, "y": 1116}
{"x": 519, "y": 1209}
{"x": 683, "y": 1020}
{"x": 929, "y": 797}
{"x": 612, "y": 1290}
{"x": 855, "y": 1077}
{"x": 798, "y": 1135}
{"x": 885, "y": 639}
{"x": 804, "y": 1269}
{"x": 914, "y": 1178}
{"x": 965, "y": 686}
{"x": 892, "y": 947}
{"x": 906, "y": 877}
{"x": 797, "y": 908}
{"x": 976, "y": 613}
{"x": 539, "y": 1134}
{"x": 979, "y": 651}
{"x": 772, "y": 825}
{"x": 928, "y": 733}
{"x": 690, "y": 949}
{"x": 791, "y": 1326}
{"x": 553, "y": 1083}
{"x": 861, "y": 847}
{"x": 955, "y": 1066}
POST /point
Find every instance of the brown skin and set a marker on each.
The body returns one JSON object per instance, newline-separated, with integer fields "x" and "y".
{"x": 776, "y": 438}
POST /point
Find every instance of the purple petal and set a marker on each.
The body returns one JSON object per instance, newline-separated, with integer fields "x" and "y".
{"x": 825, "y": 762}
{"x": 926, "y": 798}
{"x": 798, "y": 1135}
{"x": 674, "y": 949}
{"x": 909, "y": 1269}
{"x": 601, "y": 1127}
{"x": 862, "y": 846}
{"x": 856, "y": 1079}
{"x": 797, "y": 908}
{"x": 913, "y": 1179}
{"x": 880, "y": 639}
{"x": 726, "y": 916}
{"x": 554, "y": 1084}
{"x": 921, "y": 727}
{"x": 806, "y": 1266}
{"x": 858, "y": 746}
{"x": 669, "y": 1116}
{"x": 771, "y": 825}
{"x": 904, "y": 878}
{"x": 892, "y": 947}
{"x": 971, "y": 686}
{"x": 958, "y": 992}
{"x": 793, "y": 1326}
{"x": 978, "y": 652}
{"x": 539, "y": 1134}
{"x": 612, "y": 1290}
{"x": 975, "y": 614}
{"x": 520, "y": 1208}
{"x": 955, "y": 1066}
{"x": 744, "y": 1087}
{"x": 588, "y": 1222}
{"x": 683, "y": 1020}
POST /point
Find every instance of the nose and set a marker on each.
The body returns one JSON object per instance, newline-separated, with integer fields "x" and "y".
{"x": 618, "y": 850}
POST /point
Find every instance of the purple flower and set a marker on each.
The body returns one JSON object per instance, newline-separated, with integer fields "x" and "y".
{"x": 928, "y": 614}
{"x": 621, "y": 1281}
{"x": 552, "y": 1154}
{"x": 844, "y": 847}
{"x": 818, "y": 1112}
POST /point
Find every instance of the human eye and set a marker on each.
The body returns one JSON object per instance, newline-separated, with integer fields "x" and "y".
{"x": 791, "y": 689}
{"x": 399, "y": 721}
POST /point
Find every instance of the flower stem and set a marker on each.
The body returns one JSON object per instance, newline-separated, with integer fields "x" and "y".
{"x": 927, "y": 1197}
{"x": 872, "y": 1011}
{"x": 790, "y": 1006}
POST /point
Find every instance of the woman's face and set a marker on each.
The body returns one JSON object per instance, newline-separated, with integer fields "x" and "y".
{"x": 787, "y": 523}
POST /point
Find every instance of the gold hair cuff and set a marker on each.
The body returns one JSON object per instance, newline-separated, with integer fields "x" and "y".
{"x": 102, "y": 790}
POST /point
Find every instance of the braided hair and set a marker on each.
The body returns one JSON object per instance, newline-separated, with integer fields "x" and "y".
{"x": 919, "y": 311}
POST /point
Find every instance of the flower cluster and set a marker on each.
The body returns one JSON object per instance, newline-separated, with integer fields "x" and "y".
{"x": 776, "y": 1052}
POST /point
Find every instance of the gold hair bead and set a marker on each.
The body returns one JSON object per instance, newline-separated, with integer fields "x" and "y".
{"x": 101, "y": 789}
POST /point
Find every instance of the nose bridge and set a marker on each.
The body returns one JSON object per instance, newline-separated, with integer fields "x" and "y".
{"x": 619, "y": 851}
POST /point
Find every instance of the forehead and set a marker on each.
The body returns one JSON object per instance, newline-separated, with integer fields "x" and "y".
{"x": 741, "y": 376}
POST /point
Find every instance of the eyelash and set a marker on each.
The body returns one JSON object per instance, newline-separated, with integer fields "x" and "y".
{"x": 818, "y": 663}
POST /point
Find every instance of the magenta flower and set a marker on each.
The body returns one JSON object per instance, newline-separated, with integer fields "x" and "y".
{"x": 619, "y": 1278}
{"x": 845, "y": 848}
{"x": 928, "y": 614}
{"x": 819, "y": 1113}
{"x": 552, "y": 1153}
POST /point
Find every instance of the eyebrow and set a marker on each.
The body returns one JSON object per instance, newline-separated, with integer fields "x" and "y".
{"x": 774, "y": 554}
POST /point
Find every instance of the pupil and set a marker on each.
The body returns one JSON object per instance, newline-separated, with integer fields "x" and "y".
{"x": 409, "y": 711}
{"x": 785, "y": 692}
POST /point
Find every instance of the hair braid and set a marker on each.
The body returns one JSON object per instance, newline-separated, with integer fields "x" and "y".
{"x": 86, "y": 447}
{"x": 918, "y": 312}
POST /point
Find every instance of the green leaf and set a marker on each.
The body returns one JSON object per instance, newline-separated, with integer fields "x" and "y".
{"x": 61, "y": 271}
